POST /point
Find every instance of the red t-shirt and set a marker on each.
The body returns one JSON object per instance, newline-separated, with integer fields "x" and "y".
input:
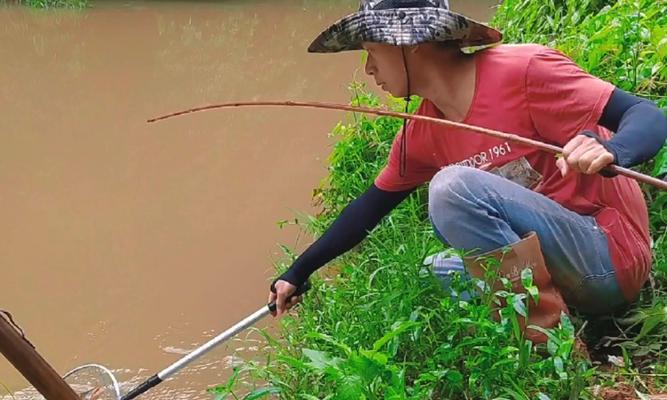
{"x": 538, "y": 93}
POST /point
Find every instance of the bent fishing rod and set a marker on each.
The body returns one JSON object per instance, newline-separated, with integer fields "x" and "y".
{"x": 658, "y": 183}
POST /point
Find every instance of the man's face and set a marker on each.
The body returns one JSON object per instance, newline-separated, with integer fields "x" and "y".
{"x": 385, "y": 65}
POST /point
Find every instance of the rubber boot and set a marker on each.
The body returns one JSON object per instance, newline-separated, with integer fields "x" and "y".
{"x": 526, "y": 253}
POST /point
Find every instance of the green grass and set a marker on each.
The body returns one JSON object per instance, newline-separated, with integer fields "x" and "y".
{"x": 381, "y": 327}
{"x": 624, "y": 43}
{"x": 51, "y": 3}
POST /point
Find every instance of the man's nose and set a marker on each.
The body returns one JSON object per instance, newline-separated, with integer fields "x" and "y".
{"x": 369, "y": 69}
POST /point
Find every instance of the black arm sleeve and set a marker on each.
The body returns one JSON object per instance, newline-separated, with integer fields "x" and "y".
{"x": 351, "y": 227}
{"x": 640, "y": 126}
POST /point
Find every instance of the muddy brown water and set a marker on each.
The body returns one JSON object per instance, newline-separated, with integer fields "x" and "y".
{"x": 128, "y": 244}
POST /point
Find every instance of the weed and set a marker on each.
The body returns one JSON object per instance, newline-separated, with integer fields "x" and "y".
{"x": 383, "y": 327}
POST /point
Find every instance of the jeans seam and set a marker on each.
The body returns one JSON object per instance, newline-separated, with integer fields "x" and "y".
{"x": 591, "y": 277}
{"x": 499, "y": 200}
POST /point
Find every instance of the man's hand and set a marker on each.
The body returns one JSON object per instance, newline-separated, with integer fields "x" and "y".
{"x": 584, "y": 155}
{"x": 283, "y": 297}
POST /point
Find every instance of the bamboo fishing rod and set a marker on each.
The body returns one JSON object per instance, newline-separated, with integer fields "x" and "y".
{"x": 365, "y": 110}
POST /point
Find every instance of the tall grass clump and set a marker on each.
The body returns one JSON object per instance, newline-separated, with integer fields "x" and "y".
{"x": 378, "y": 325}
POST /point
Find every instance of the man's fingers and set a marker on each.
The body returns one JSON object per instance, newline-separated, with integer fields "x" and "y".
{"x": 580, "y": 158}
{"x": 586, "y": 158}
{"x": 282, "y": 296}
{"x": 294, "y": 301}
{"x": 577, "y": 152}
{"x": 272, "y": 298}
{"x": 280, "y": 303}
{"x": 601, "y": 161}
{"x": 590, "y": 160}
{"x": 285, "y": 302}
{"x": 573, "y": 144}
{"x": 584, "y": 155}
{"x": 561, "y": 164}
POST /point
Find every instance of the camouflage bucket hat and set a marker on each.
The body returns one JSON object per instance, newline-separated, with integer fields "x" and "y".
{"x": 403, "y": 23}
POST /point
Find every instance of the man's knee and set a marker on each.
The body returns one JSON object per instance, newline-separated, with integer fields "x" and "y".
{"x": 453, "y": 182}
{"x": 456, "y": 195}
{"x": 450, "y": 196}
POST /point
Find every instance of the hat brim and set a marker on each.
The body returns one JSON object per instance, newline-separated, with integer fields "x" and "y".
{"x": 403, "y": 27}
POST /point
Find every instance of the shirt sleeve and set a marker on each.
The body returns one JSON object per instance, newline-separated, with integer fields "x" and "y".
{"x": 563, "y": 99}
{"x": 416, "y": 173}
{"x": 640, "y": 126}
{"x": 353, "y": 224}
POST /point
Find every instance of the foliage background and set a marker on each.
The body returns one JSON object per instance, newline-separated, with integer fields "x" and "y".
{"x": 379, "y": 325}
{"x": 50, "y": 3}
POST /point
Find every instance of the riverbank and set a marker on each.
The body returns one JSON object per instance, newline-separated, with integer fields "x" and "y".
{"x": 382, "y": 327}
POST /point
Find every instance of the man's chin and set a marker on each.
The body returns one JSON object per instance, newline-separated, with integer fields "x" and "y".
{"x": 391, "y": 92}
{"x": 397, "y": 95}
{"x": 383, "y": 86}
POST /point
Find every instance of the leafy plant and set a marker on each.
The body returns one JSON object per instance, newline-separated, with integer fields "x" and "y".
{"x": 377, "y": 324}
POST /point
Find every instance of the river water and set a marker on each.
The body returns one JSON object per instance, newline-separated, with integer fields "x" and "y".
{"x": 129, "y": 244}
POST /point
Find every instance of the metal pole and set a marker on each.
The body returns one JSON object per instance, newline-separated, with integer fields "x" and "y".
{"x": 198, "y": 352}
{"x": 208, "y": 346}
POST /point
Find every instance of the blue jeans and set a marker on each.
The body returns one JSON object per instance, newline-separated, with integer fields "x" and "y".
{"x": 477, "y": 212}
